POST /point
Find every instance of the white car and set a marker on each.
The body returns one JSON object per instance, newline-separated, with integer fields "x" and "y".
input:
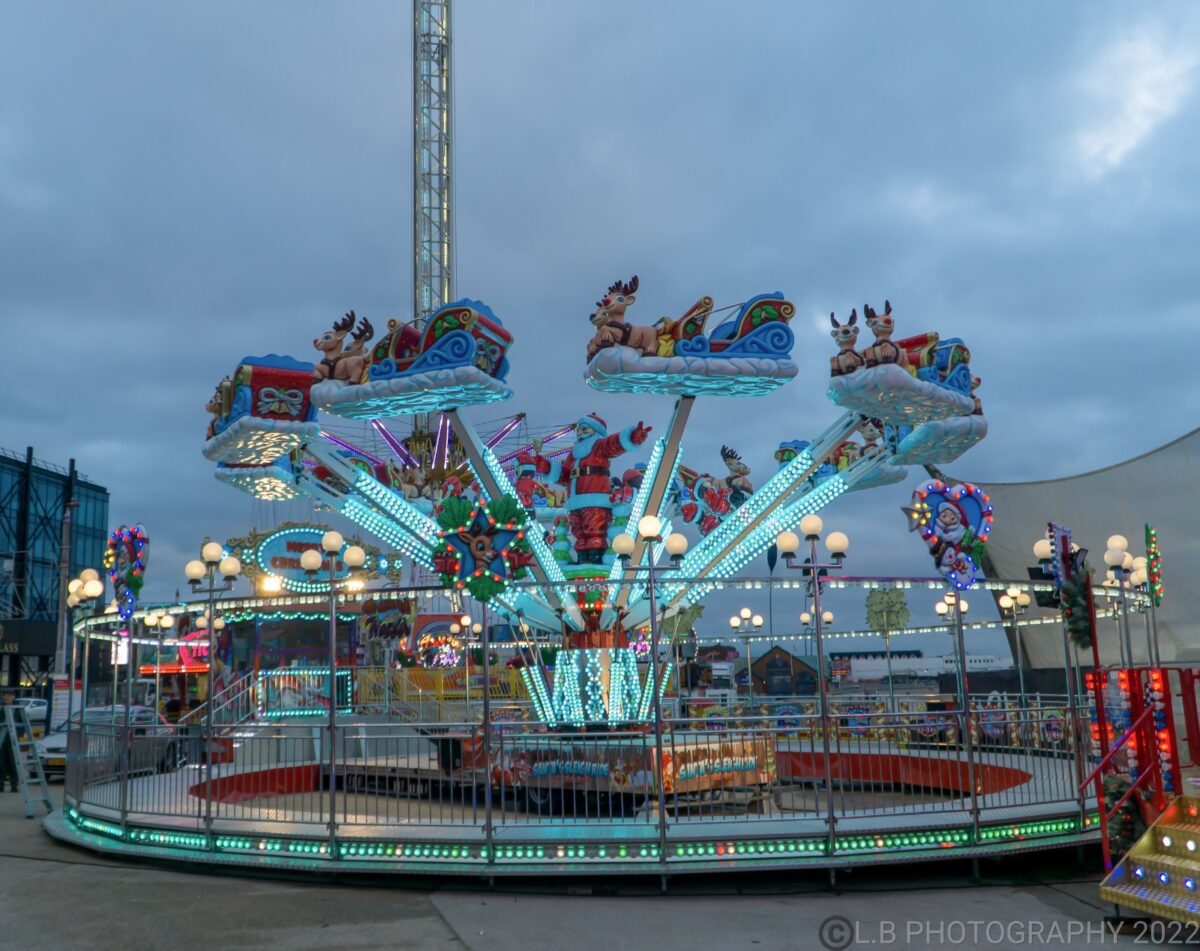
{"x": 155, "y": 746}
{"x": 35, "y": 708}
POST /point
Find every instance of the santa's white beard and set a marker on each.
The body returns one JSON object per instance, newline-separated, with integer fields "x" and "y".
{"x": 583, "y": 447}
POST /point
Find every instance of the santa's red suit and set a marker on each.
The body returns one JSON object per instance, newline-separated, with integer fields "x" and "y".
{"x": 586, "y": 471}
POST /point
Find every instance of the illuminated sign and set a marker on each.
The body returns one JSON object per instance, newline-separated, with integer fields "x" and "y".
{"x": 278, "y": 555}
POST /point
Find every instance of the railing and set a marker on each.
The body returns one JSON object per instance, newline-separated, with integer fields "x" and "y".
{"x": 717, "y": 775}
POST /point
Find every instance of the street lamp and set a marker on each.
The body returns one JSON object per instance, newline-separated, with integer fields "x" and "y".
{"x": 311, "y": 561}
{"x": 212, "y": 562}
{"x": 1120, "y": 562}
{"x": 837, "y": 544}
{"x": 1012, "y": 605}
{"x": 749, "y": 622}
{"x": 649, "y": 530}
{"x": 81, "y": 591}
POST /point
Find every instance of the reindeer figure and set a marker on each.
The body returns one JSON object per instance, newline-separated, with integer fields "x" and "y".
{"x": 846, "y": 336}
{"x": 739, "y": 485}
{"x": 611, "y": 327}
{"x": 337, "y": 364}
{"x": 883, "y": 351}
{"x": 214, "y": 406}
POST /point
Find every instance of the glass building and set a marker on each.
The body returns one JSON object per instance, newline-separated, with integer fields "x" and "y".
{"x": 34, "y": 496}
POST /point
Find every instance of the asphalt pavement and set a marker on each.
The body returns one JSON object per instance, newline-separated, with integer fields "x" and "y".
{"x": 55, "y": 896}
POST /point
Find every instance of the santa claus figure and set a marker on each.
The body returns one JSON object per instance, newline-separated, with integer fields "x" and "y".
{"x": 587, "y": 473}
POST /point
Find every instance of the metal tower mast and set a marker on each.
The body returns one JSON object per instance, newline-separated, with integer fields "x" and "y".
{"x": 433, "y": 204}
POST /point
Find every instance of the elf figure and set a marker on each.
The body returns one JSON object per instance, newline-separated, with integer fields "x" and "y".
{"x": 586, "y": 471}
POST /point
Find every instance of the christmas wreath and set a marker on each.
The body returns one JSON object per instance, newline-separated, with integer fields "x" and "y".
{"x": 481, "y": 546}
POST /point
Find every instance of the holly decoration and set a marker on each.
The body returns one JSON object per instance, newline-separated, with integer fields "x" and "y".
{"x": 1076, "y": 594}
{"x": 481, "y": 546}
{"x": 1154, "y": 566}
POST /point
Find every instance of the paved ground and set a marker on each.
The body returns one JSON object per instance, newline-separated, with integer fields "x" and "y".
{"x": 55, "y": 896}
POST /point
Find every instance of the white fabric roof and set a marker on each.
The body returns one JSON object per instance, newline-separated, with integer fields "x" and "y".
{"x": 1161, "y": 487}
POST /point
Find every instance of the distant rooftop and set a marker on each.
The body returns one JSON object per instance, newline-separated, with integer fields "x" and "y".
{"x": 47, "y": 466}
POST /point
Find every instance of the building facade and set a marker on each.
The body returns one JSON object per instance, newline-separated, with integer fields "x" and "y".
{"x": 34, "y": 497}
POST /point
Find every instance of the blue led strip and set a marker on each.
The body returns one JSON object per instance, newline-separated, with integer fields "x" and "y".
{"x": 409, "y": 518}
{"x": 567, "y": 703}
{"x": 648, "y": 691}
{"x": 536, "y": 689}
{"x": 385, "y": 529}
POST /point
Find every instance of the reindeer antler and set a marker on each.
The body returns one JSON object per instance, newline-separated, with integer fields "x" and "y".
{"x": 887, "y": 306}
{"x": 345, "y": 323}
{"x": 727, "y": 453}
{"x": 365, "y": 331}
{"x": 618, "y": 287}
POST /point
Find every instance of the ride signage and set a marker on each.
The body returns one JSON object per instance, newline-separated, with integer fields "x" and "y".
{"x": 278, "y": 555}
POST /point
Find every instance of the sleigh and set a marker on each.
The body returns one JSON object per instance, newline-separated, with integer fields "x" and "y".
{"x": 263, "y": 412}
{"x": 936, "y": 386}
{"x": 747, "y": 355}
{"x": 459, "y": 358}
{"x": 273, "y": 482}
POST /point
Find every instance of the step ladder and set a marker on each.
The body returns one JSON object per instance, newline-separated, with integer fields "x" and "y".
{"x": 28, "y": 764}
{"x": 1160, "y": 874}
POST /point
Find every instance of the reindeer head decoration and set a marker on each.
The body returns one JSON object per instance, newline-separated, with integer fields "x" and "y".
{"x": 845, "y": 335}
{"x": 881, "y": 325}
{"x": 361, "y": 335}
{"x": 614, "y": 304}
{"x": 330, "y": 342}
{"x": 733, "y": 462}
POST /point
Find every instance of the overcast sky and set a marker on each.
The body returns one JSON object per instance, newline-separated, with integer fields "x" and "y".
{"x": 183, "y": 184}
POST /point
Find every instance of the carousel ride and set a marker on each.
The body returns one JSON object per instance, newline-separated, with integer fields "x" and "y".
{"x": 484, "y": 512}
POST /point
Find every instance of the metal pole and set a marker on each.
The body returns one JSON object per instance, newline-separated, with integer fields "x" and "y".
{"x": 206, "y": 737}
{"x": 70, "y": 672}
{"x": 1020, "y": 657}
{"x": 158, "y": 670}
{"x": 332, "y": 706}
{"x": 1154, "y": 625}
{"x": 127, "y": 756}
{"x": 1150, "y": 658}
{"x": 87, "y": 661}
{"x": 658, "y": 729}
{"x": 749, "y": 675}
{"x": 887, "y": 646}
{"x": 968, "y": 740}
{"x": 488, "y": 824}
{"x": 1122, "y": 576}
{"x": 823, "y": 692}
{"x": 64, "y": 569}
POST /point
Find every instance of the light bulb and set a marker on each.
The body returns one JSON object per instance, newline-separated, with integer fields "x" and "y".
{"x": 788, "y": 543}
{"x": 355, "y": 556}
{"x": 230, "y": 567}
{"x": 735, "y": 622}
{"x": 757, "y": 620}
{"x": 271, "y": 584}
{"x": 677, "y": 544}
{"x": 1024, "y": 600}
{"x": 1114, "y": 556}
{"x": 838, "y": 543}
{"x": 194, "y": 570}
{"x": 212, "y": 552}
{"x": 465, "y": 621}
{"x": 455, "y": 629}
{"x": 1012, "y": 591}
{"x": 166, "y": 622}
{"x": 805, "y": 618}
{"x": 310, "y": 560}
{"x": 811, "y": 526}
{"x": 89, "y": 574}
{"x": 1006, "y": 603}
{"x": 623, "y": 544}
{"x": 745, "y": 614}
{"x": 93, "y": 588}
{"x": 942, "y": 608}
{"x": 1118, "y": 541}
{"x": 219, "y": 624}
{"x": 1043, "y": 550}
{"x": 826, "y": 617}
{"x": 332, "y": 541}
{"x": 650, "y": 526}
{"x": 74, "y": 585}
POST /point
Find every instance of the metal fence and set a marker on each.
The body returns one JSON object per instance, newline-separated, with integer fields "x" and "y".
{"x": 393, "y": 779}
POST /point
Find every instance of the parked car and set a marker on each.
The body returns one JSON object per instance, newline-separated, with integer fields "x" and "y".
{"x": 154, "y": 746}
{"x": 35, "y": 708}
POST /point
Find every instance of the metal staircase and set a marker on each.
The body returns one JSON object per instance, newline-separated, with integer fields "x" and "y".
{"x": 20, "y": 740}
{"x": 1160, "y": 874}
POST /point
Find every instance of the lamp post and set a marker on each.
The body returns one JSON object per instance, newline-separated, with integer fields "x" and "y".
{"x": 1140, "y": 583}
{"x": 84, "y": 590}
{"x": 954, "y": 603}
{"x": 212, "y": 562}
{"x": 747, "y": 621}
{"x": 1013, "y": 604}
{"x": 1120, "y": 563}
{"x": 837, "y": 544}
{"x": 650, "y": 530}
{"x": 312, "y": 561}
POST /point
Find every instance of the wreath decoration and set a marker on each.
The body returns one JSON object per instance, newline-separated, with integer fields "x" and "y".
{"x": 481, "y": 546}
